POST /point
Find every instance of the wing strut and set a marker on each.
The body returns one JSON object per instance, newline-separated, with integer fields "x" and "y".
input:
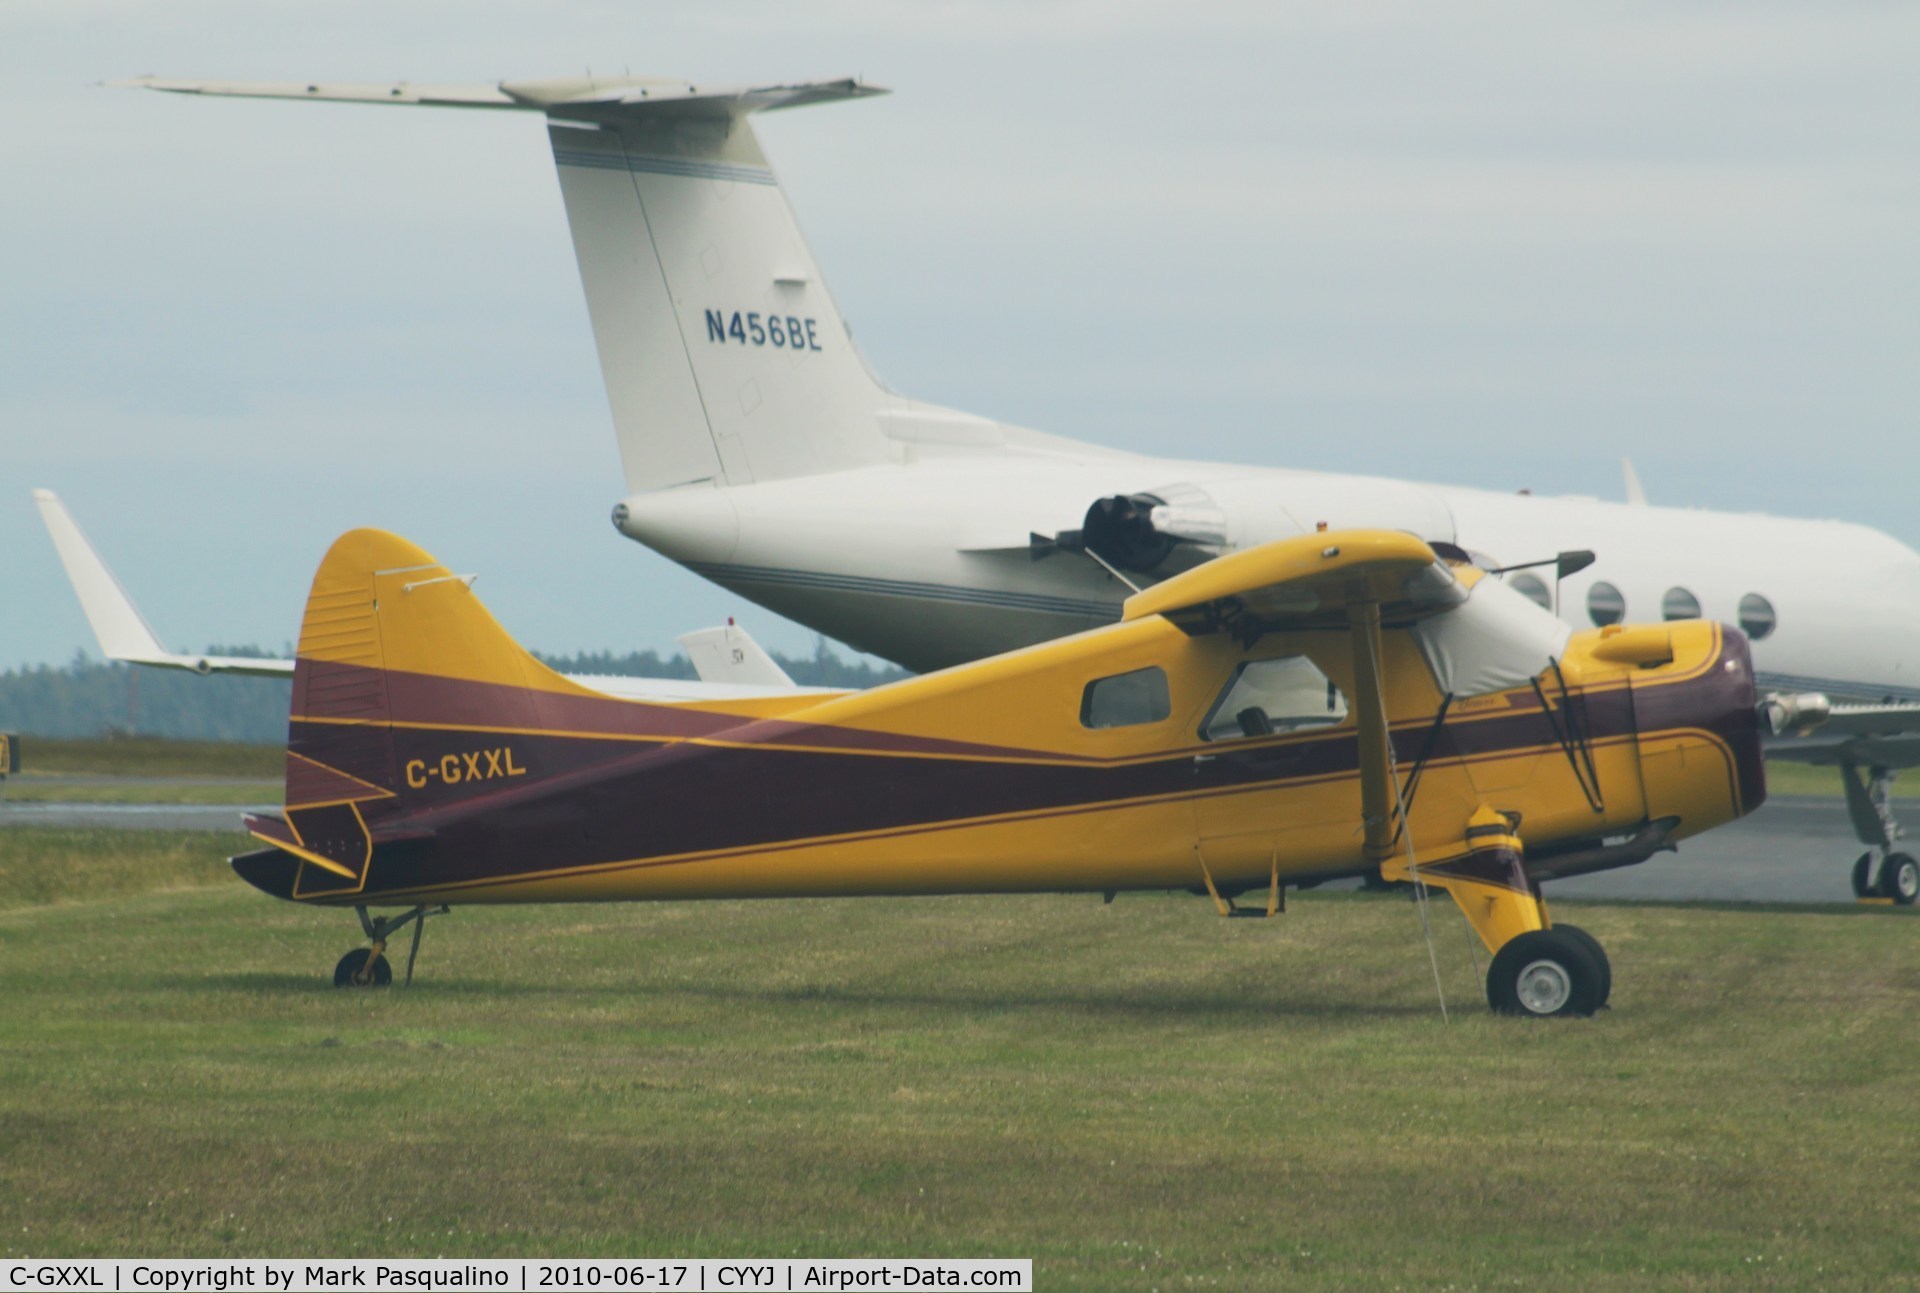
{"x": 1370, "y": 722}
{"x": 1379, "y": 787}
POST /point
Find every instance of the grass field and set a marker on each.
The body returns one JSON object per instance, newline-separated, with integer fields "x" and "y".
{"x": 1135, "y": 1096}
{"x": 146, "y": 770}
{"x": 30, "y": 789}
{"x": 146, "y": 756}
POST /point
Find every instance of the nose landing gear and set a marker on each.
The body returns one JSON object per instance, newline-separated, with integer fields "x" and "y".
{"x": 366, "y": 967}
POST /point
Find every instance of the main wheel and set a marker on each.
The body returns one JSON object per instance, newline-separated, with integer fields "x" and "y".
{"x": 1599, "y": 955}
{"x": 355, "y": 972}
{"x": 1900, "y": 878}
{"x": 1544, "y": 972}
{"x": 1863, "y": 876}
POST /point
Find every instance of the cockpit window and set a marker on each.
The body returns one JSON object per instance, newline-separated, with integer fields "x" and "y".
{"x": 1126, "y": 699}
{"x": 1268, "y": 696}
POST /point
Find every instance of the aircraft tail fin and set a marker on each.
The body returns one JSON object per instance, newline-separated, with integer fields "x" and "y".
{"x": 404, "y": 688}
{"x": 725, "y": 357}
{"x": 411, "y": 704}
{"x": 393, "y": 643}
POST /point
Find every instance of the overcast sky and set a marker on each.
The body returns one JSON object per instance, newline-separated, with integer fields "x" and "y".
{"x": 1484, "y": 243}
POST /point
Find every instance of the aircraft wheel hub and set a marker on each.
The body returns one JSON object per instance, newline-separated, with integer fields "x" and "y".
{"x": 1544, "y": 987}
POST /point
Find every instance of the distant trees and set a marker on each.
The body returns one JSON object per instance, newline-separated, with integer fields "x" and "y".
{"x": 86, "y": 697}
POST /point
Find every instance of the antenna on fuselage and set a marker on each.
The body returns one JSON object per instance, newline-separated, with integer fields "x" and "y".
{"x": 1566, "y": 563}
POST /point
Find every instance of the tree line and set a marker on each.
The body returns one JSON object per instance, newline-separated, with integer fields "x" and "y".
{"x": 90, "y": 698}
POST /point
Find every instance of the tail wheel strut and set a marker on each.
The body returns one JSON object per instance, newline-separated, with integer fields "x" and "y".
{"x": 366, "y": 967}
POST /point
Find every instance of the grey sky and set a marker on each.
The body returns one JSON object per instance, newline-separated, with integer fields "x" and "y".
{"x": 1493, "y": 243}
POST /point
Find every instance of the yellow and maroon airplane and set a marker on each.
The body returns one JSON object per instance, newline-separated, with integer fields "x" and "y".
{"x": 1335, "y": 704}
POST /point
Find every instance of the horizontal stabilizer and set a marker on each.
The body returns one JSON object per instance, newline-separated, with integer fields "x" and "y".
{"x": 585, "y": 98}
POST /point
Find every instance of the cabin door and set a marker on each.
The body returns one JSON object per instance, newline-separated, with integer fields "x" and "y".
{"x": 1275, "y": 772}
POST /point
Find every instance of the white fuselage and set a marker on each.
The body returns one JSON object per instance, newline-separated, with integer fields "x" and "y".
{"x": 929, "y": 560}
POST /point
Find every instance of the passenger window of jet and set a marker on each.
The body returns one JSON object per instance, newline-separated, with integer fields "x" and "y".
{"x": 1269, "y": 696}
{"x": 1679, "y": 604}
{"x": 1605, "y": 604}
{"x": 1126, "y": 699}
{"x": 1756, "y": 616}
{"x": 1531, "y": 588}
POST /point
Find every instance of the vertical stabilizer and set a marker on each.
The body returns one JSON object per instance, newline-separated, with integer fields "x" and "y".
{"x": 724, "y": 355}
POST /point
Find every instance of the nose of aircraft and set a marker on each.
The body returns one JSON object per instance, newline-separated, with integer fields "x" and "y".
{"x": 1699, "y": 739}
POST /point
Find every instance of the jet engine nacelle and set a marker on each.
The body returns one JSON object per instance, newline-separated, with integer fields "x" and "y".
{"x": 1142, "y": 533}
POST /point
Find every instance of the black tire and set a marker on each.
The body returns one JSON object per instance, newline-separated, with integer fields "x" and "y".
{"x": 1900, "y": 879}
{"x": 1543, "y": 972}
{"x": 1863, "y": 876}
{"x": 1599, "y": 955}
{"x": 354, "y": 972}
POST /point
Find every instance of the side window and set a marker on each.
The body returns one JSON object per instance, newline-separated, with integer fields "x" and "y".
{"x": 1268, "y": 696}
{"x": 1533, "y": 589}
{"x": 1126, "y": 699}
{"x": 1605, "y": 604}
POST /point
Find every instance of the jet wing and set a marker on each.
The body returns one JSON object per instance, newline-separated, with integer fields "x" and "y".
{"x": 123, "y": 634}
{"x": 1882, "y": 736}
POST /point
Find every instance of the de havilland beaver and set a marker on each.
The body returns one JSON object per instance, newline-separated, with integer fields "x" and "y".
{"x": 1344, "y": 703}
{"x": 761, "y": 452}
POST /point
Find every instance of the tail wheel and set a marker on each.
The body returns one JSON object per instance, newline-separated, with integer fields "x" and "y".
{"x": 360, "y": 968}
{"x": 1599, "y": 955}
{"x": 1900, "y": 878}
{"x": 1863, "y": 876}
{"x": 1544, "y": 972}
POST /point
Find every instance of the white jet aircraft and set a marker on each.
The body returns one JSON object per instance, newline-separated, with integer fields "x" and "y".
{"x": 762, "y": 452}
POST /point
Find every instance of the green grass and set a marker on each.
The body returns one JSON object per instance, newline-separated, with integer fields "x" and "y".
{"x": 1784, "y": 778}
{"x": 44, "y": 865}
{"x": 1135, "y": 1096}
{"x": 146, "y": 756}
{"x": 29, "y": 790}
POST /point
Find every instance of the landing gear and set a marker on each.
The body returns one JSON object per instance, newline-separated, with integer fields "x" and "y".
{"x": 1599, "y": 955}
{"x": 1863, "y": 875}
{"x": 1900, "y": 879}
{"x": 361, "y": 968}
{"x": 366, "y": 967}
{"x": 1870, "y": 805}
{"x": 1544, "y": 972}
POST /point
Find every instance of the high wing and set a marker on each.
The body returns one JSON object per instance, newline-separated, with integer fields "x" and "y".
{"x": 731, "y": 665}
{"x": 1478, "y": 637}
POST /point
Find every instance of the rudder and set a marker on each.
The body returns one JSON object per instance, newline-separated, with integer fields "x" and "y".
{"x": 724, "y": 356}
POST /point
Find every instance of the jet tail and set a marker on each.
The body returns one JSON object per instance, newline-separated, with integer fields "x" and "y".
{"x": 724, "y": 356}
